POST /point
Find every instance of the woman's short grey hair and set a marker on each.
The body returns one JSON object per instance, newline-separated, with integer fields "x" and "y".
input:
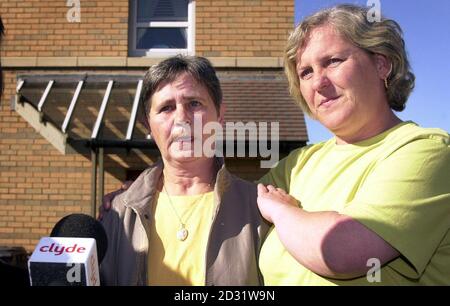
{"x": 383, "y": 37}
{"x": 171, "y": 68}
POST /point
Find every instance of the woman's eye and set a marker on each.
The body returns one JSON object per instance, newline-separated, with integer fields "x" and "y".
{"x": 195, "y": 103}
{"x": 165, "y": 108}
{"x": 305, "y": 74}
{"x": 334, "y": 61}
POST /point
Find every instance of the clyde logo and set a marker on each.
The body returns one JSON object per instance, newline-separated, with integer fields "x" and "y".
{"x": 59, "y": 249}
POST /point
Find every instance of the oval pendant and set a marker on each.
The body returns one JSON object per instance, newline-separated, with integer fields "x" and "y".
{"x": 182, "y": 234}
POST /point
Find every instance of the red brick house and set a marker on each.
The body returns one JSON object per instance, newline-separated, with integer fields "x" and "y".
{"x": 72, "y": 71}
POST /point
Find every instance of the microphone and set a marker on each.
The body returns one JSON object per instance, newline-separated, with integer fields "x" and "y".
{"x": 71, "y": 255}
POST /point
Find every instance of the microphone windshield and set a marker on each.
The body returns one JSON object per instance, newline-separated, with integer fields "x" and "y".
{"x": 82, "y": 226}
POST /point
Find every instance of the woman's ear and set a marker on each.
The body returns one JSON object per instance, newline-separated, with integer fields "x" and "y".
{"x": 384, "y": 66}
{"x": 221, "y": 118}
{"x": 145, "y": 121}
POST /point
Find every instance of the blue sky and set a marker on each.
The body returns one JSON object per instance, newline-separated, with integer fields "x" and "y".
{"x": 426, "y": 28}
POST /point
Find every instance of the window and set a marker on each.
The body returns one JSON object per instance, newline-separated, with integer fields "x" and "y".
{"x": 161, "y": 28}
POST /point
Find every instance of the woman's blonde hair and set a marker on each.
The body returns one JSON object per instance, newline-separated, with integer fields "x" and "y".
{"x": 383, "y": 37}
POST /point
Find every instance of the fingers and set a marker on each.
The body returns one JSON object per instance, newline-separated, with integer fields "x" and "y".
{"x": 100, "y": 215}
{"x": 274, "y": 189}
{"x": 126, "y": 185}
{"x": 106, "y": 206}
{"x": 280, "y": 190}
{"x": 271, "y": 188}
{"x": 108, "y": 198}
{"x": 262, "y": 189}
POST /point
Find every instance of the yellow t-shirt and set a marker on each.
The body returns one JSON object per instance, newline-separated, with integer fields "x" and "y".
{"x": 396, "y": 184}
{"x": 175, "y": 262}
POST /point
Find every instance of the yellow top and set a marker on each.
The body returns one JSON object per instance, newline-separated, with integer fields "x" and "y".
{"x": 175, "y": 262}
{"x": 397, "y": 184}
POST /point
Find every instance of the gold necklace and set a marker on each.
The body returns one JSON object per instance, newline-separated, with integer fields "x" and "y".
{"x": 182, "y": 233}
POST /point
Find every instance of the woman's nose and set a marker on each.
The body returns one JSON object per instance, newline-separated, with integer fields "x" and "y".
{"x": 320, "y": 81}
{"x": 182, "y": 115}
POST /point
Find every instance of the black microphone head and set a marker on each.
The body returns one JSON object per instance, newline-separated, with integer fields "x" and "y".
{"x": 82, "y": 226}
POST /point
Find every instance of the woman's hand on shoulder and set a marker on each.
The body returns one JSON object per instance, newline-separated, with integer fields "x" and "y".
{"x": 272, "y": 199}
{"x": 108, "y": 198}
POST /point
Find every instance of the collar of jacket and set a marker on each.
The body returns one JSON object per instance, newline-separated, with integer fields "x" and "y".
{"x": 141, "y": 194}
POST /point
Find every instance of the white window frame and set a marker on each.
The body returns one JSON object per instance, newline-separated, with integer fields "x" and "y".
{"x": 134, "y": 25}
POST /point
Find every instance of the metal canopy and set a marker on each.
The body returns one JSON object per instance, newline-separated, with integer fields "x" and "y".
{"x": 95, "y": 110}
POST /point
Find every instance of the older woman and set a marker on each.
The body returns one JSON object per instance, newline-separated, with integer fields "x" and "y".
{"x": 375, "y": 195}
{"x": 185, "y": 220}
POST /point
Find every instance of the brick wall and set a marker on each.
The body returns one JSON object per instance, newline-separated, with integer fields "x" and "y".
{"x": 40, "y": 28}
{"x": 255, "y": 28}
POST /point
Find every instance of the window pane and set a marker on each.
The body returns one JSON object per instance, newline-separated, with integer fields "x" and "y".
{"x": 162, "y": 10}
{"x": 161, "y": 38}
